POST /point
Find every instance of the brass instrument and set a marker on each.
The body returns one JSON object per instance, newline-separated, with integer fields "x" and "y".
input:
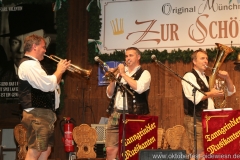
{"x": 223, "y": 51}
{"x": 72, "y": 68}
{"x": 111, "y": 75}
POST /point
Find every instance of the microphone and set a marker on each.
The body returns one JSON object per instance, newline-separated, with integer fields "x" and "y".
{"x": 97, "y": 59}
{"x": 154, "y": 58}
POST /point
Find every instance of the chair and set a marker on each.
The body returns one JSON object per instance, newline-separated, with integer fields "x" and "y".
{"x": 20, "y": 136}
{"x": 185, "y": 143}
{"x": 85, "y": 137}
{"x": 160, "y": 134}
{"x": 174, "y": 136}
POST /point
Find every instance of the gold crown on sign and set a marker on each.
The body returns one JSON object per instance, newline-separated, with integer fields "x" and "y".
{"x": 117, "y": 28}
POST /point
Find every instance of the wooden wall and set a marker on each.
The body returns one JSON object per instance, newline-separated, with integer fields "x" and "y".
{"x": 86, "y": 102}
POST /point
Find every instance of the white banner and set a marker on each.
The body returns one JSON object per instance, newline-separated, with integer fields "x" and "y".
{"x": 169, "y": 24}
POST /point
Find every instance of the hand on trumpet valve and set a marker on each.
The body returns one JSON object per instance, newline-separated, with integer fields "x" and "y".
{"x": 63, "y": 65}
{"x": 121, "y": 69}
{"x": 112, "y": 73}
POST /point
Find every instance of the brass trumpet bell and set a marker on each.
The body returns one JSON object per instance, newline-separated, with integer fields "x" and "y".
{"x": 72, "y": 68}
{"x": 111, "y": 75}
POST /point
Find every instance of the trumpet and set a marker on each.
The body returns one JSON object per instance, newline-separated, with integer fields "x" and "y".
{"x": 111, "y": 75}
{"x": 72, "y": 68}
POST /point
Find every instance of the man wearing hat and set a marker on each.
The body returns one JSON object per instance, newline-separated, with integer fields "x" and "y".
{"x": 29, "y": 19}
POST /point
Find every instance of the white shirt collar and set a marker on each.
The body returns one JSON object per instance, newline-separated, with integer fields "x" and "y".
{"x": 133, "y": 71}
{"x": 200, "y": 73}
{"x": 31, "y": 57}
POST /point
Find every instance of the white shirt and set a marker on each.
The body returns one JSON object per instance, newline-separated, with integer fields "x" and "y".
{"x": 187, "y": 88}
{"x": 143, "y": 84}
{"x": 32, "y": 72}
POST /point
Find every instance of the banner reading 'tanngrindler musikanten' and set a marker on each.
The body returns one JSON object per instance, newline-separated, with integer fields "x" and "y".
{"x": 221, "y": 134}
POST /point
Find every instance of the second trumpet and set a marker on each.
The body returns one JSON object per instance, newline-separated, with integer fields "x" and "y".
{"x": 114, "y": 72}
{"x": 73, "y": 68}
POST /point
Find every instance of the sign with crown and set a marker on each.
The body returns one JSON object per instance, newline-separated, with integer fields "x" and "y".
{"x": 168, "y": 24}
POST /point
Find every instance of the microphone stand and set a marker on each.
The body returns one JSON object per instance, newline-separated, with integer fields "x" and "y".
{"x": 194, "y": 106}
{"x": 123, "y": 90}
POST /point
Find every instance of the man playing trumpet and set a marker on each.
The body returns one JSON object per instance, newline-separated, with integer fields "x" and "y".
{"x": 137, "y": 81}
{"x": 38, "y": 97}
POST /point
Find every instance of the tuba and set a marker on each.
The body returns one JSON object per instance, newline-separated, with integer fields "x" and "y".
{"x": 223, "y": 51}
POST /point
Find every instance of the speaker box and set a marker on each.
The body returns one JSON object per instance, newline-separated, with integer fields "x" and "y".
{"x": 153, "y": 154}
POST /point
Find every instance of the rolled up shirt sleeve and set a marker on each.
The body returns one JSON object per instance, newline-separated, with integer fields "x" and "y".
{"x": 32, "y": 72}
{"x": 143, "y": 83}
{"x": 188, "y": 89}
{"x": 231, "y": 93}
